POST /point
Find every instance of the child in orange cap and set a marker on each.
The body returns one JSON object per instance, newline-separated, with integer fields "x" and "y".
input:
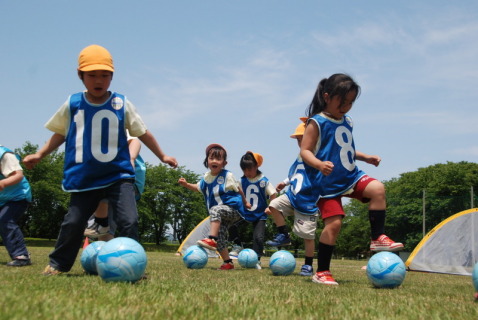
{"x": 93, "y": 126}
{"x": 224, "y": 198}
{"x": 258, "y": 191}
{"x": 305, "y": 224}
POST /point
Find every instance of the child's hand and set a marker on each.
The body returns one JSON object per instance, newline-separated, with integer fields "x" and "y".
{"x": 182, "y": 182}
{"x": 326, "y": 167}
{"x": 31, "y": 160}
{"x": 170, "y": 160}
{"x": 280, "y": 186}
{"x": 248, "y": 205}
{"x": 374, "y": 160}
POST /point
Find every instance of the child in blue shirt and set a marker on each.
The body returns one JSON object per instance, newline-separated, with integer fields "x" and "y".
{"x": 97, "y": 166}
{"x": 305, "y": 224}
{"x": 101, "y": 224}
{"x": 258, "y": 191}
{"x": 15, "y": 196}
{"x": 329, "y": 155}
{"x": 224, "y": 199}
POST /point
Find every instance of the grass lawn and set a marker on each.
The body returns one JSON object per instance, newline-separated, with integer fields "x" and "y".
{"x": 174, "y": 292}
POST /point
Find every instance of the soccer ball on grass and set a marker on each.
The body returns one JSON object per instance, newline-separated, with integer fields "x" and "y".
{"x": 282, "y": 263}
{"x": 195, "y": 257}
{"x": 89, "y": 255}
{"x": 247, "y": 258}
{"x": 121, "y": 259}
{"x": 386, "y": 270}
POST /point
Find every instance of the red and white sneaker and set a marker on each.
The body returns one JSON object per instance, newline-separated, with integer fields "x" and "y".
{"x": 324, "y": 277}
{"x": 226, "y": 266}
{"x": 207, "y": 243}
{"x": 384, "y": 243}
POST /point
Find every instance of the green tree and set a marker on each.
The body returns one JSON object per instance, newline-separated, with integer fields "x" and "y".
{"x": 354, "y": 238}
{"x": 189, "y": 207}
{"x": 167, "y": 207}
{"x": 447, "y": 191}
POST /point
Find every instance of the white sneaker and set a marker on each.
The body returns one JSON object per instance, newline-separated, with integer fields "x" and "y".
{"x": 258, "y": 266}
{"x": 235, "y": 251}
{"x": 96, "y": 231}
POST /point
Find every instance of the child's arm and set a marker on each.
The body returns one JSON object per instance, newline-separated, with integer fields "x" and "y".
{"x": 14, "y": 178}
{"x": 190, "y": 186}
{"x": 309, "y": 142}
{"x": 52, "y": 144}
{"x": 150, "y": 141}
{"x": 134, "y": 147}
{"x": 374, "y": 160}
{"x": 282, "y": 185}
{"x": 247, "y": 205}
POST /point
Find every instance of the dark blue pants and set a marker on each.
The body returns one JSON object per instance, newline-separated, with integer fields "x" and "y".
{"x": 121, "y": 199}
{"x": 11, "y": 234}
{"x": 258, "y": 236}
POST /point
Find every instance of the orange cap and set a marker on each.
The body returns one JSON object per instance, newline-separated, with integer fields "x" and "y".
{"x": 95, "y": 57}
{"x": 299, "y": 131}
{"x": 259, "y": 159}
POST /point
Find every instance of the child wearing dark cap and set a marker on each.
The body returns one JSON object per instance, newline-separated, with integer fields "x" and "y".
{"x": 224, "y": 199}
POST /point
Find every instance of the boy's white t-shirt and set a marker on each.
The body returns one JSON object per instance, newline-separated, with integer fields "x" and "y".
{"x": 59, "y": 122}
{"x": 231, "y": 183}
{"x": 9, "y": 163}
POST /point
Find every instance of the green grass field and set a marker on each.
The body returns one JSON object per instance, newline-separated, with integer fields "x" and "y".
{"x": 172, "y": 291}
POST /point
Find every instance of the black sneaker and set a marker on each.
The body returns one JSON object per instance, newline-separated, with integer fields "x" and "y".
{"x": 19, "y": 262}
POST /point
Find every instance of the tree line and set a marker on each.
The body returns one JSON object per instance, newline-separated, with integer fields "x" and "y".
{"x": 166, "y": 210}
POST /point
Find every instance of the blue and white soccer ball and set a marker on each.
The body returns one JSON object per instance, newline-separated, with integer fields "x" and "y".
{"x": 88, "y": 257}
{"x": 386, "y": 270}
{"x": 282, "y": 263}
{"x": 121, "y": 260}
{"x": 195, "y": 257}
{"x": 474, "y": 276}
{"x": 247, "y": 258}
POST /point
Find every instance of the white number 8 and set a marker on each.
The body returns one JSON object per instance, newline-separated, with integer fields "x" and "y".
{"x": 343, "y": 137}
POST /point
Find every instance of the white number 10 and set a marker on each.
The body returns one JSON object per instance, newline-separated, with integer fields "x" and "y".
{"x": 96, "y": 135}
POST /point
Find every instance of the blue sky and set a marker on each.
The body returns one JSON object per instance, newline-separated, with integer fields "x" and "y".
{"x": 241, "y": 73}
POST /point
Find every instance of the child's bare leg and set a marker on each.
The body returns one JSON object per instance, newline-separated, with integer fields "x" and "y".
{"x": 375, "y": 191}
{"x": 282, "y": 238}
{"x": 327, "y": 241}
{"x": 331, "y": 230}
{"x": 215, "y": 225}
{"x": 224, "y": 253}
{"x": 277, "y": 216}
{"x": 309, "y": 245}
{"x": 102, "y": 210}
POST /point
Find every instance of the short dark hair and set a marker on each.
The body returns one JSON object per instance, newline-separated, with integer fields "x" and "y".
{"x": 216, "y": 151}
